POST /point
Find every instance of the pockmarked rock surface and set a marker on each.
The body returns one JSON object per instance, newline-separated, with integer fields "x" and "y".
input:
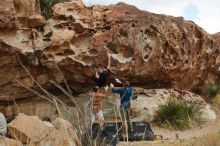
{"x": 34, "y": 132}
{"x": 7, "y": 14}
{"x": 145, "y": 48}
{"x": 28, "y": 14}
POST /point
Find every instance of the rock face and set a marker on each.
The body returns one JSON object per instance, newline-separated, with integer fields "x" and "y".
{"x": 34, "y": 106}
{"x": 40, "y": 108}
{"x": 7, "y": 14}
{"x": 28, "y": 14}
{"x": 217, "y": 38}
{"x": 32, "y": 131}
{"x": 143, "y": 47}
{"x": 20, "y": 14}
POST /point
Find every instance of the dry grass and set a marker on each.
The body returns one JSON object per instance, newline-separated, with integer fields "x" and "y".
{"x": 211, "y": 139}
{"x": 75, "y": 117}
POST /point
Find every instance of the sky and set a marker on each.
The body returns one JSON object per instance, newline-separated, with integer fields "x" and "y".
{"x": 205, "y": 13}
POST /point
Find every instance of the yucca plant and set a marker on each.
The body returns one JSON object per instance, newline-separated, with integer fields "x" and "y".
{"x": 211, "y": 90}
{"x": 193, "y": 111}
{"x": 178, "y": 114}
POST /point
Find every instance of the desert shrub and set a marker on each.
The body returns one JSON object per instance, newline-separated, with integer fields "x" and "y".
{"x": 211, "y": 90}
{"x": 193, "y": 111}
{"x": 46, "y": 7}
{"x": 178, "y": 114}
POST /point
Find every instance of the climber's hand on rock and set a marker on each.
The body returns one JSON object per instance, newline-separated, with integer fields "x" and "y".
{"x": 117, "y": 80}
{"x": 111, "y": 85}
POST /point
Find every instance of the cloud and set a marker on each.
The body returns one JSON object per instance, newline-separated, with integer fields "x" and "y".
{"x": 205, "y": 13}
{"x": 209, "y": 14}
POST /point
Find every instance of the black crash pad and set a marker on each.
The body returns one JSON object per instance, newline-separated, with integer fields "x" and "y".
{"x": 142, "y": 131}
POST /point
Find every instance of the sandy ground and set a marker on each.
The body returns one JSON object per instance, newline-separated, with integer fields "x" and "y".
{"x": 208, "y": 128}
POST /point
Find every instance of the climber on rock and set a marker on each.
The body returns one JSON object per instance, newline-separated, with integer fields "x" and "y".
{"x": 182, "y": 92}
{"x": 101, "y": 78}
{"x": 125, "y": 103}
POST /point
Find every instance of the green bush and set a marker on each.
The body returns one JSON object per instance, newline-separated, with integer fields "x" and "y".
{"x": 210, "y": 91}
{"x": 178, "y": 115}
{"x": 194, "y": 112}
{"x": 46, "y": 6}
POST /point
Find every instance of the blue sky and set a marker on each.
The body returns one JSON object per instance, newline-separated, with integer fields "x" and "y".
{"x": 205, "y": 13}
{"x": 191, "y": 12}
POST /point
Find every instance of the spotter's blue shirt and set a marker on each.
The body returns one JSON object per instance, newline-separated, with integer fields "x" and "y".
{"x": 125, "y": 96}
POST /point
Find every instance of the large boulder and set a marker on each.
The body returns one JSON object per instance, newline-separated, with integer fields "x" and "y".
{"x": 145, "y": 107}
{"x": 145, "y": 48}
{"x": 63, "y": 134}
{"x": 148, "y": 102}
{"x": 35, "y": 132}
{"x": 29, "y": 128}
{"x": 4, "y": 141}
